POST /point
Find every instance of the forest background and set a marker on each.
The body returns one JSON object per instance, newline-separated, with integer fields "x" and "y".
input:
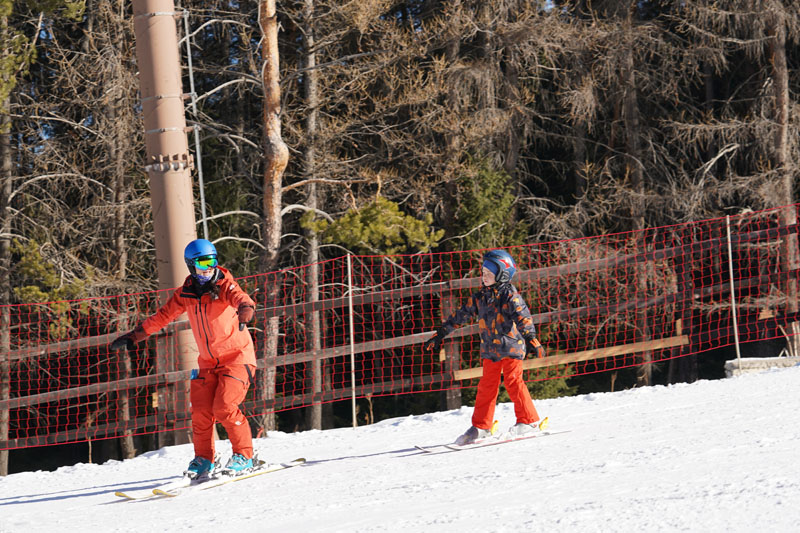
{"x": 411, "y": 127}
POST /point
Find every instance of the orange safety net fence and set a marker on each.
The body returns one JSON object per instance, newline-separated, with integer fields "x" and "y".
{"x": 599, "y": 304}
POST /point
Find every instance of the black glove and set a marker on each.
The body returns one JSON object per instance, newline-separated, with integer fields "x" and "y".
{"x": 534, "y": 348}
{"x": 246, "y": 313}
{"x": 123, "y": 342}
{"x": 434, "y": 344}
{"x": 129, "y": 340}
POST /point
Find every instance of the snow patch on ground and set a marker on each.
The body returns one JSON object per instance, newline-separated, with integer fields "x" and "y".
{"x": 708, "y": 456}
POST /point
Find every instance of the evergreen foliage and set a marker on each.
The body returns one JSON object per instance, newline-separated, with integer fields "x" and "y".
{"x": 486, "y": 208}
{"x": 379, "y": 227}
{"x": 18, "y": 52}
{"x": 37, "y": 280}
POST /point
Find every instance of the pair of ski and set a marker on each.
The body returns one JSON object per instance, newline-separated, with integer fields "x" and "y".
{"x": 489, "y": 441}
{"x": 175, "y": 488}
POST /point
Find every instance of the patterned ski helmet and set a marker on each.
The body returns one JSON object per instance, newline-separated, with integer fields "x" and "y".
{"x": 503, "y": 263}
{"x": 196, "y": 249}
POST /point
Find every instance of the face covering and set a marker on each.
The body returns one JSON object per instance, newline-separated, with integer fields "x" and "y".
{"x": 203, "y": 279}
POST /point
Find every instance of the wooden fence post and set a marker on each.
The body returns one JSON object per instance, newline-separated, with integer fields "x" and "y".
{"x": 684, "y": 367}
{"x": 452, "y": 350}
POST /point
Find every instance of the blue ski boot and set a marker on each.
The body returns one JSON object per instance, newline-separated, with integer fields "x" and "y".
{"x": 238, "y": 464}
{"x": 200, "y": 467}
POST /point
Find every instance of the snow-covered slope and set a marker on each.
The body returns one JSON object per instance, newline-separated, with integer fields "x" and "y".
{"x": 710, "y": 456}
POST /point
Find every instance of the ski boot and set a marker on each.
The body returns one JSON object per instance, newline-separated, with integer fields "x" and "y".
{"x": 521, "y": 430}
{"x": 237, "y": 465}
{"x": 474, "y": 434}
{"x": 200, "y": 468}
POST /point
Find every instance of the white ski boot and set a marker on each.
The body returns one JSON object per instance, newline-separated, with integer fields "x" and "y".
{"x": 521, "y": 430}
{"x": 474, "y": 434}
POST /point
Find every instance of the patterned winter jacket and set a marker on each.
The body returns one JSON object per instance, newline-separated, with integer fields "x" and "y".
{"x": 503, "y": 318}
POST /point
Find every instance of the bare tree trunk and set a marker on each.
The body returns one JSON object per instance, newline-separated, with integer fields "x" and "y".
{"x": 451, "y": 397}
{"x": 276, "y": 157}
{"x": 514, "y": 136}
{"x": 580, "y": 131}
{"x": 579, "y": 160}
{"x": 119, "y": 188}
{"x": 708, "y": 83}
{"x": 782, "y": 163}
{"x": 313, "y": 325}
{"x": 120, "y": 195}
{"x": 5, "y": 280}
{"x": 124, "y": 404}
{"x": 635, "y": 174}
{"x": 683, "y": 368}
{"x": 6, "y": 187}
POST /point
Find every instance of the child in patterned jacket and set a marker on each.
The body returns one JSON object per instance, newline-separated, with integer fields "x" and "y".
{"x": 507, "y": 334}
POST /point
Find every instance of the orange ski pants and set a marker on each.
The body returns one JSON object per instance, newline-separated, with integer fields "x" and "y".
{"x": 215, "y": 395}
{"x": 483, "y": 415}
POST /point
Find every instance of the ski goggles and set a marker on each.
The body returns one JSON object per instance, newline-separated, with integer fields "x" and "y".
{"x": 206, "y": 262}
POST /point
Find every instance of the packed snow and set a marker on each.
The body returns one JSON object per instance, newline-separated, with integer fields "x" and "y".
{"x": 709, "y": 456}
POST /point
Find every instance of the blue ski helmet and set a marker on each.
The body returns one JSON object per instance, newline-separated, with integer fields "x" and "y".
{"x": 501, "y": 264}
{"x": 196, "y": 249}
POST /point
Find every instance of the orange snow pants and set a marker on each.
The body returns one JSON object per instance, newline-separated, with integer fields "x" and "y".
{"x": 483, "y": 415}
{"x": 215, "y": 395}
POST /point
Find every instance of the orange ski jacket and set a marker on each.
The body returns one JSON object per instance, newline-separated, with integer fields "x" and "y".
{"x": 214, "y": 321}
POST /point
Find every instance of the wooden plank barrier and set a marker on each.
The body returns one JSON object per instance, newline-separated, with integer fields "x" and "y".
{"x": 599, "y": 353}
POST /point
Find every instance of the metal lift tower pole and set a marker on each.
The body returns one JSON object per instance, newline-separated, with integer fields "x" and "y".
{"x": 168, "y": 164}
